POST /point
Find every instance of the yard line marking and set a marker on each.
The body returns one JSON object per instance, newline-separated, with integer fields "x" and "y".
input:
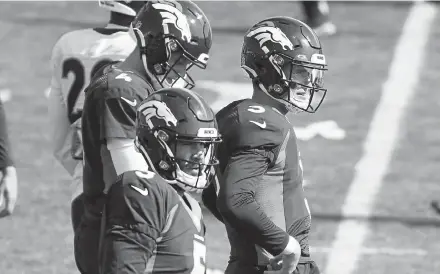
{"x": 379, "y": 143}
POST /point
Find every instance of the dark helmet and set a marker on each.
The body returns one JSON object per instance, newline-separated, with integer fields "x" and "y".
{"x": 177, "y": 133}
{"x": 284, "y": 57}
{"x": 128, "y": 7}
{"x": 172, "y": 36}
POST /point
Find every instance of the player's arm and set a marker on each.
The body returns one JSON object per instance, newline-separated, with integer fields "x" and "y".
{"x": 136, "y": 213}
{"x": 5, "y": 154}
{"x": 8, "y": 173}
{"x": 118, "y": 131}
{"x": 209, "y": 198}
{"x": 124, "y": 155}
{"x": 236, "y": 201}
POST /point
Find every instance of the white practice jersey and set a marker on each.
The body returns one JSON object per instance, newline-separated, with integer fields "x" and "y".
{"x": 75, "y": 57}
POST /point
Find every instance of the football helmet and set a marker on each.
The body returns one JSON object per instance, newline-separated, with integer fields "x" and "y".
{"x": 127, "y": 7}
{"x": 172, "y": 36}
{"x": 177, "y": 133}
{"x": 284, "y": 58}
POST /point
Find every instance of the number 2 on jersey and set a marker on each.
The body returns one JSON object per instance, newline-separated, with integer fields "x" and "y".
{"x": 75, "y": 66}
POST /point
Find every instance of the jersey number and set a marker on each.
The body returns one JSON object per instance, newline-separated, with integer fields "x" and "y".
{"x": 199, "y": 254}
{"x": 75, "y": 66}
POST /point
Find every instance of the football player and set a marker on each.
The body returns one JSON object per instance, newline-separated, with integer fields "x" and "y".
{"x": 171, "y": 38}
{"x": 153, "y": 225}
{"x": 75, "y": 57}
{"x": 260, "y": 188}
{"x": 8, "y": 173}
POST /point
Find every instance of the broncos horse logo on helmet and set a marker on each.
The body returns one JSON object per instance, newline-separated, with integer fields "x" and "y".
{"x": 172, "y": 37}
{"x": 159, "y": 110}
{"x": 265, "y": 32}
{"x": 172, "y": 15}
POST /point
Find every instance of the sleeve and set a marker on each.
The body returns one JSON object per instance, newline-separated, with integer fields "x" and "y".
{"x": 55, "y": 62}
{"x": 209, "y": 199}
{"x": 59, "y": 124}
{"x": 236, "y": 201}
{"x": 5, "y": 156}
{"x": 124, "y": 155}
{"x": 135, "y": 215}
{"x": 118, "y": 119}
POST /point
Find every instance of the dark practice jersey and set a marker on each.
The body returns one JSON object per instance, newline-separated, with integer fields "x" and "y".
{"x": 150, "y": 228}
{"x": 109, "y": 112}
{"x": 261, "y": 194}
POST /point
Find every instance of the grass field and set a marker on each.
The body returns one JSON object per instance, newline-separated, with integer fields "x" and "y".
{"x": 403, "y": 235}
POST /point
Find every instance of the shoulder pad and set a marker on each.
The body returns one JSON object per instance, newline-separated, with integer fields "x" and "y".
{"x": 68, "y": 39}
{"x": 108, "y": 31}
{"x": 251, "y": 125}
{"x": 122, "y": 82}
{"x": 115, "y": 83}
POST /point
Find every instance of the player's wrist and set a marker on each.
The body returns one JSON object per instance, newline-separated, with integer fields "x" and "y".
{"x": 292, "y": 247}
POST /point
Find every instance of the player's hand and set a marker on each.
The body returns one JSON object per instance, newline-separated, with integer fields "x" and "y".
{"x": 286, "y": 262}
{"x": 8, "y": 190}
{"x": 275, "y": 263}
{"x": 77, "y": 146}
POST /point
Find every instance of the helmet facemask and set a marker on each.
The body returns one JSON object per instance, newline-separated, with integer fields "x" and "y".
{"x": 194, "y": 161}
{"x": 300, "y": 85}
{"x": 173, "y": 72}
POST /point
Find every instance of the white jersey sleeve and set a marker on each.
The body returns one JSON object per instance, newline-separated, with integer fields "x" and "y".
{"x": 75, "y": 57}
{"x": 58, "y": 120}
{"x": 125, "y": 157}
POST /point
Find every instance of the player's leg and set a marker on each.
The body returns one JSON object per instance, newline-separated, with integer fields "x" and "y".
{"x": 318, "y": 17}
{"x": 86, "y": 241}
{"x": 77, "y": 211}
{"x": 77, "y": 201}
